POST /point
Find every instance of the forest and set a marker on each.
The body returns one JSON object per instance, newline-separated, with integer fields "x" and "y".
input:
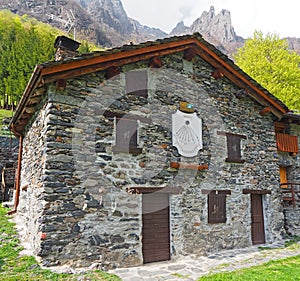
{"x": 24, "y": 43}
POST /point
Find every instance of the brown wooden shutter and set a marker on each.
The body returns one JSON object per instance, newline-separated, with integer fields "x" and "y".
{"x": 137, "y": 83}
{"x": 287, "y": 143}
{"x": 233, "y": 147}
{"x": 126, "y": 132}
{"x": 216, "y": 208}
{"x": 126, "y": 136}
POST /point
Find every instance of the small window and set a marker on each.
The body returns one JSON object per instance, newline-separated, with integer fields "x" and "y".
{"x": 216, "y": 207}
{"x": 126, "y": 136}
{"x": 233, "y": 147}
{"x": 137, "y": 83}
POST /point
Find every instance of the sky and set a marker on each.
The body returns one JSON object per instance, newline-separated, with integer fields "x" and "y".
{"x": 274, "y": 16}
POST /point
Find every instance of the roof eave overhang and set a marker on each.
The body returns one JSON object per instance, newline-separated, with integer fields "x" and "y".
{"x": 44, "y": 74}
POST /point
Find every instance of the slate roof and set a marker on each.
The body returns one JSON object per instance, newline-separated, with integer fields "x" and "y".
{"x": 87, "y": 63}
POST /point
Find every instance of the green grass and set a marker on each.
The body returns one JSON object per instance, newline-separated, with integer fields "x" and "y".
{"x": 3, "y": 114}
{"x": 287, "y": 269}
{"x": 14, "y": 267}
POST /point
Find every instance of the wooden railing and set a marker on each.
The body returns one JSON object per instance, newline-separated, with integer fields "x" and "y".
{"x": 291, "y": 193}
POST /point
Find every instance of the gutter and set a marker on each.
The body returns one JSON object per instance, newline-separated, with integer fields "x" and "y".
{"x": 18, "y": 175}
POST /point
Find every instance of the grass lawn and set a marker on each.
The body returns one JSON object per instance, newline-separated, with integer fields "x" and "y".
{"x": 280, "y": 270}
{"x": 14, "y": 267}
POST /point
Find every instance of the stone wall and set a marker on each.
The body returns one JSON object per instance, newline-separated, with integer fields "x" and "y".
{"x": 32, "y": 188}
{"x": 8, "y": 161}
{"x": 292, "y": 222}
{"x": 77, "y": 209}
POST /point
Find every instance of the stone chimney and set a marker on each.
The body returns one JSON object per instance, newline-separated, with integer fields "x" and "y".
{"x": 65, "y": 48}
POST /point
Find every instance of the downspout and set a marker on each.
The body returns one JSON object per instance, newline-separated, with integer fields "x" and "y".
{"x": 18, "y": 174}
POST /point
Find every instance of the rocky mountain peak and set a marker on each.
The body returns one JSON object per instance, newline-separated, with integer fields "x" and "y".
{"x": 217, "y": 29}
{"x": 217, "y": 26}
{"x": 180, "y": 28}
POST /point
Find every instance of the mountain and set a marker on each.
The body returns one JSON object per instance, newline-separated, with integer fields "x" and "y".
{"x": 294, "y": 43}
{"x": 115, "y": 23}
{"x": 106, "y": 23}
{"x": 216, "y": 29}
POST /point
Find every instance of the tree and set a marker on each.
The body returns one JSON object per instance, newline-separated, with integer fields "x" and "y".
{"x": 24, "y": 43}
{"x": 267, "y": 59}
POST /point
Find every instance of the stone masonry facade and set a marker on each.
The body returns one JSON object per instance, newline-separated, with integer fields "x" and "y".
{"x": 77, "y": 206}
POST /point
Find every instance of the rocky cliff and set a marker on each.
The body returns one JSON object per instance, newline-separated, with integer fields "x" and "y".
{"x": 61, "y": 14}
{"x": 217, "y": 29}
{"x": 120, "y": 29}
{"x": 104, "y": 22}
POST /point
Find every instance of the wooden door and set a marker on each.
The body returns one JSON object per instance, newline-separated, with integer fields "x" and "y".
{"x": 258, "y": 229}
{"x": 283, "y": 177}
{"x": 156, "y": 227}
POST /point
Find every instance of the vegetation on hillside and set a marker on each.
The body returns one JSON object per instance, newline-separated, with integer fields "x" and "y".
{"x": 267, "y": 59}
{"x": 24, "y": 43}
{"x": 14, "y": 267}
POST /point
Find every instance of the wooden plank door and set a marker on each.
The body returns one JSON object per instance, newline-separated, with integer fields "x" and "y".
{"x": 156, "y": 227}
{"x": 283, "y": 177}
{"x": 258, "y": 229}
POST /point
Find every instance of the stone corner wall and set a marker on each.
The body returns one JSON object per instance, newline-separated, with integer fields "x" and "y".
{"x": 292, "y": 221}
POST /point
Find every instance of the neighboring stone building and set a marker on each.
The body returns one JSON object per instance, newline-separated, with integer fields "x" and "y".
{"x": 8, "y": 163}
{"x": 149, "y": 152}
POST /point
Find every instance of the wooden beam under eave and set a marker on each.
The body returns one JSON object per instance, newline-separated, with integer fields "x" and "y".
{"x": 34, "y": 100}
{"x": 155, "y": 62}
{"x": 189, "y": 54}
{"x": 217, "y": 74}
{"x": 38, "y": 92}
{"x": 82, "y": 70}
{"x": 265, "y": 111}
{"x": 145, "y": 52}
{"x": 112, "y": 71}
{"x": 30, "y": 109}
{"x": 23, "y": 121}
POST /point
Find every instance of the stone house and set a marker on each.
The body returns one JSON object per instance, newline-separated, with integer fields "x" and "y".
{"x": 149, "y": 152}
